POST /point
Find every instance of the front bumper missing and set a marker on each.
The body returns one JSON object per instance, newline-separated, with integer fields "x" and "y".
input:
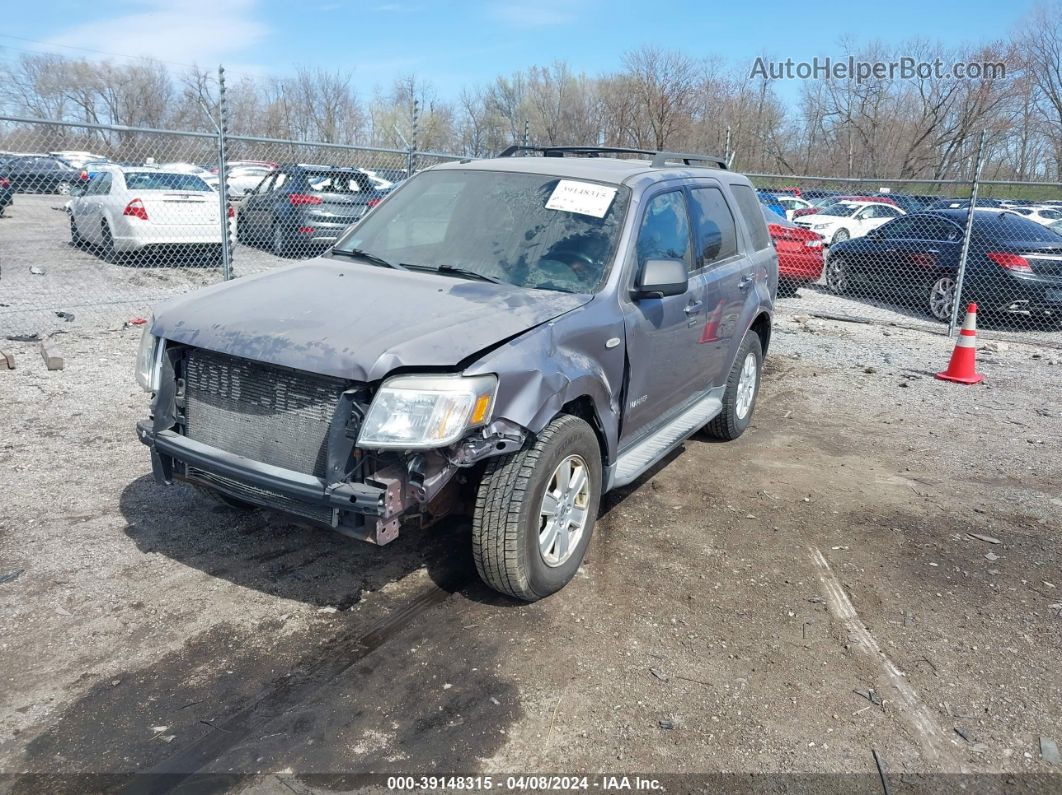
{"x": 370, "y": 511}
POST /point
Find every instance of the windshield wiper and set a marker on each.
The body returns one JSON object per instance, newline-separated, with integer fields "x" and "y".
{"x": 358, "y": 253}
{"x": 458, "y": 271}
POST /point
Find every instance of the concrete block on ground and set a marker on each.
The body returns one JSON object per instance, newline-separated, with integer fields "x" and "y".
{"x": 52, "y": 359}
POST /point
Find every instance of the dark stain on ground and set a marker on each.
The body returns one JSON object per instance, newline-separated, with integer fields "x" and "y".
{"x": 343, "y": 692}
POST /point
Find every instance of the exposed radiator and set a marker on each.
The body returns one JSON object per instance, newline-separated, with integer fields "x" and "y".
{"x": 269, "y": 414}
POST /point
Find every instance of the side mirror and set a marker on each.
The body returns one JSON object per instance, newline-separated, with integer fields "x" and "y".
{"x": 662, "y": 277}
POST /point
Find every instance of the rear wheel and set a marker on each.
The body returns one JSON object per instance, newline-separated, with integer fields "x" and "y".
{"x": 742, "y": 387}
{"x": 941, "y": 298}
{"x": 63, "y": 188}
{"x": 281, "y": 245}
{"x": 840, "y": 236}
{"x": 536, "y": 509}
{"x": 837, "y": 279}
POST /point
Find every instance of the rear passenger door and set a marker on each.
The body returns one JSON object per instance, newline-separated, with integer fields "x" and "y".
{"x": 720, "y": 267}
{"x": 662, "y": 333}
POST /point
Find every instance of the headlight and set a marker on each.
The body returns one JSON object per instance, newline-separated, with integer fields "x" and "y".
{"x": 149, "y": 360}
{"x": 416, "y": 411}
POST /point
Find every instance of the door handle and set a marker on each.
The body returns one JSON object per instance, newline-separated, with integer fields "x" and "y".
{"x": 746, "y": 280}
{"x": 693, "y": 307}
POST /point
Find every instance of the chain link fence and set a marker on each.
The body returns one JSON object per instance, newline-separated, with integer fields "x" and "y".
{"x": 101, "y": 222}
{"x": 901, "y": 252}
{"x": 98, "y": 222}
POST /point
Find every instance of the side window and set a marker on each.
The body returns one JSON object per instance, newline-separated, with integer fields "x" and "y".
{"x": 93, "y": 187}
{"x": 104, "y": 187}
{"x": 716, "y": 232}
{"x": 900, "y": 229}
{"x": 267, "y": 184}
{"x": 665, "y": 230}
{"x": 278, "y": 183}
{"x": 749, "y": 209}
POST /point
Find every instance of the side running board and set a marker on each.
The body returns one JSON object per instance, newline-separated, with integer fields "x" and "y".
{"x": 634, "y": 462}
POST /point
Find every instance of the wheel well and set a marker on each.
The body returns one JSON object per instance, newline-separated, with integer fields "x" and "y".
{"x": 583, "y": 408}
{"x": 762, "y": 326}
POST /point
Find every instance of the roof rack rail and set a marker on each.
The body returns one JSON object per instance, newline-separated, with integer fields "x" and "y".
{"x": 659, "y": 158}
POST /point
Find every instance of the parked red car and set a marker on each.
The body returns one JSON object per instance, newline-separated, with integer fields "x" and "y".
{"x": 877, "y": 197}
{"x": 799, "y": 253}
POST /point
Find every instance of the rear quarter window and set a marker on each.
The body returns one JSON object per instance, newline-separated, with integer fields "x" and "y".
{"x": 749, "y": 208}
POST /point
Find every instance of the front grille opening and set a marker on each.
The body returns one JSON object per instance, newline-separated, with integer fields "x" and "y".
{"x": 266, "y": 413}
{"x": 265, "y": 498}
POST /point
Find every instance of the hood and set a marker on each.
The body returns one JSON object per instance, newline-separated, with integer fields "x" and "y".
{"x": 356, "y": 321}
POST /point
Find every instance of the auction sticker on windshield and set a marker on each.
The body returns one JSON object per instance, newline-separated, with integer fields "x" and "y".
{"x": 585, "y": 198}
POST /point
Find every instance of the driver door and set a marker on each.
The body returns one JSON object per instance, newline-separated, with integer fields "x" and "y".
{"x": 662, "y": 334}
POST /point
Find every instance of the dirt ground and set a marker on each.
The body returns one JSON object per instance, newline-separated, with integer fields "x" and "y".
{"x": 826, "y": 587}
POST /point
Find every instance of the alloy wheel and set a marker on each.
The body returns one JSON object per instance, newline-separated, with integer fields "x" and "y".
{"x": 564, "y": 513}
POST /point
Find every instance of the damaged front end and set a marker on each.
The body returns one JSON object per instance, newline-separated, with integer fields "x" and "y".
{"x": 357, "y": 458}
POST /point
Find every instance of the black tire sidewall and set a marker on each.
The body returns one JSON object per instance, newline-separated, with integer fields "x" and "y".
{"x": 728, "y": 425}
{"x": 577, "y": 438}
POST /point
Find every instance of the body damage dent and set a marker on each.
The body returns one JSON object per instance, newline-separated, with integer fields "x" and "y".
{"x": 552, "y": 365}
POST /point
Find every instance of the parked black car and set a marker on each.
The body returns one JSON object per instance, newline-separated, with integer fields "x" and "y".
{"x": 912, "y": 203}
{"x": 40, "y": 174}
{"x": 962, "y": 204}
{"x": 1014, "y": 265}
{"x": 300, "y": 209}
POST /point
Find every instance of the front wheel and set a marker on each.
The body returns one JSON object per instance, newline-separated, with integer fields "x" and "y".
{"x": 536, "y": 509}
{"x": 63, "y": 188}
{"x": 840, "y": 236}
{"x": 742, "y": 387}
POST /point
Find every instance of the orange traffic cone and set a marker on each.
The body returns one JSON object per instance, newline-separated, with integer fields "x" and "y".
{"x": 963, "y": 365}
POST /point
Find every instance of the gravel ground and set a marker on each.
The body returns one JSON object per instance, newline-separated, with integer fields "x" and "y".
{"x": 791, "y": 601}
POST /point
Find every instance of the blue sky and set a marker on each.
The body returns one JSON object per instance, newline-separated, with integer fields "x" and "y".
{"x": 457, "y": 43}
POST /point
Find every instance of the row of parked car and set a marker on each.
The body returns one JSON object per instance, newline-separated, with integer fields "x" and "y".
{"x": 116, "y": 208}
{"x": 899, "y": 247}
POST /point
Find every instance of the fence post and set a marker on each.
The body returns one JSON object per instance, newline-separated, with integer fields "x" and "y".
{"x": 223, "y": 178}
{"x": 526, "y": 130}
{"x": 726, "y": 148}
{"x": 411, "y": 156}
{"x": 953, "y": 325}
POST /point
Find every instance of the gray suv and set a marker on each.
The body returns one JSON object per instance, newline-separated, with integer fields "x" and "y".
{"x": 507, "y": 339}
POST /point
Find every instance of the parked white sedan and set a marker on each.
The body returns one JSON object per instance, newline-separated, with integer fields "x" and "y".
{"x": 1041, "y": 213}
{"x": 131, "y": 209}
{"x": 792, "y": 203}
{"x": 847, "y": 219}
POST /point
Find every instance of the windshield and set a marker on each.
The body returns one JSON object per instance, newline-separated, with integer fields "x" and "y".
{"x": 839, "y": 209}
{"x": 525, "y": 229}
{"x": 159, "y": 180}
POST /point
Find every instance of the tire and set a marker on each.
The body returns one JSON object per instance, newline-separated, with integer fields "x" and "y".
{"x": 840, "y": 236}
{"x": 739, "y": 399}
{"x": 940, "y": 297}
{"x": 107, "y": 251}
{"x": 281, "y": 247}
{"x": 75, "y": 237}
{"x": 508, "y": 519}
{"x": 838, "y": 277}
{"x": 63, "y": 188}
